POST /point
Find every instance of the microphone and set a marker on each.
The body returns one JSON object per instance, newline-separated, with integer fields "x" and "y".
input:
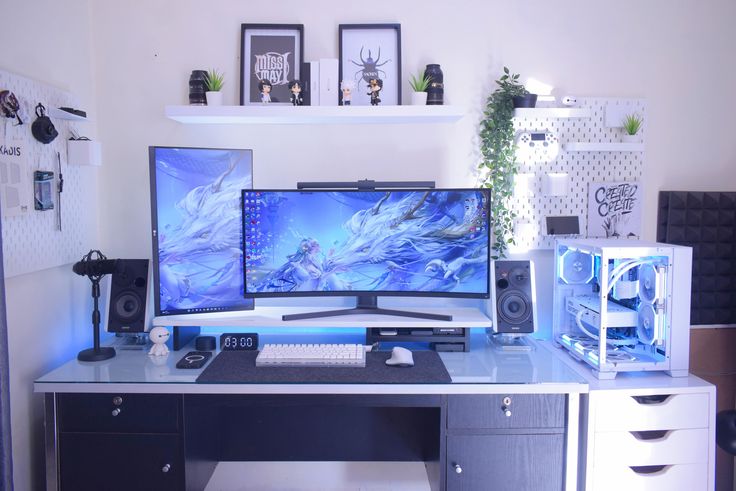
{"x": 95, "y": 267}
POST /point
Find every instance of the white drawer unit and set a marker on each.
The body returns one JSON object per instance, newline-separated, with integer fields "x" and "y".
{"x": 649, "y": 432}
{"x": 680, "y": 477}
{"x": 652, "y": 447}
{"x": 650, "y": 412}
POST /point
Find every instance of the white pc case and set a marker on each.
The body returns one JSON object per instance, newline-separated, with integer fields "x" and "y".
{"x": 623, "y": 306}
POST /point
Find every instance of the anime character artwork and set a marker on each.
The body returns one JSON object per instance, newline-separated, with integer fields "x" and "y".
{"x": 199, "y": 231}
{"x": 371, "y": 241}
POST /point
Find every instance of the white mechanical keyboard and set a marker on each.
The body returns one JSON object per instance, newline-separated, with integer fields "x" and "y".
{"x": 311, "y": 355}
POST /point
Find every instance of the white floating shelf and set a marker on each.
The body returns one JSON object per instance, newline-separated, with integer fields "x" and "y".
{"x": 551, "y": 112}
{"x": 273, "y": 114}
{"x": 57, "y": 113}
{"x": 603, "y": 147}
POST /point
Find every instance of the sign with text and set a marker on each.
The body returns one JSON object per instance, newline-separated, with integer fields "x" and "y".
{"x": 614, "y": 209}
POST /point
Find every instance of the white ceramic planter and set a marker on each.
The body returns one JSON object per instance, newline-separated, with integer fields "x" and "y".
{"x": 418, "y": 98}
{"x": 214, "y": 98}
{"x": 630, "y": 138}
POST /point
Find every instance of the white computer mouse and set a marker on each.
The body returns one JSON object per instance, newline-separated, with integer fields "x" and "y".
{"x": 400, "y": 357}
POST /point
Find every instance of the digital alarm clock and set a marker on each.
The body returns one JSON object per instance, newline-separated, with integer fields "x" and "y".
{"x": 239, "y": 341}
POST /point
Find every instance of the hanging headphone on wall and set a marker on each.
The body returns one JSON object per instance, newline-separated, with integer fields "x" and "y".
{"x": 42, "y": 128}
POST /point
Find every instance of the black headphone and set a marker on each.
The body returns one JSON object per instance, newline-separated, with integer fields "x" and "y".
{"x": 42, "y": 128}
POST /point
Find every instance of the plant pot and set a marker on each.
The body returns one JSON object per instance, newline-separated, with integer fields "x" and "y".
{"x": 214, "y": 98}
{"x": 528, "y": 100}
{"x": 418, "y": 98}
{"x": 630, "y": 138}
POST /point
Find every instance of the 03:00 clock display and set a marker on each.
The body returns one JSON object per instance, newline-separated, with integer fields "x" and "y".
{"x": 239, "y": 342}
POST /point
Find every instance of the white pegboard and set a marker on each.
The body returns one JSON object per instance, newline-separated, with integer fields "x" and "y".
{"x": 31, "y": 241}
{"x": 582, "y": 167}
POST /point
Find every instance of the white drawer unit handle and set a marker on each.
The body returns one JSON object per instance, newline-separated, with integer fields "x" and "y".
{"x": 653, "y": 399}
{"x": 650, "y": 436}
{"x": 166, "y": 468}
{"x": 458, "y": 469}
{"x": 650, "y": 470}
{"x": 116, "y": 411}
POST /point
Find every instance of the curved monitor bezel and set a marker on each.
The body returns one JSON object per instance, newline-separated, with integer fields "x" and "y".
{"x": 373, "y": 293}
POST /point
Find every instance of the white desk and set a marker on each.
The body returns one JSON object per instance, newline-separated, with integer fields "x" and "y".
{"x": 445, "y": 426}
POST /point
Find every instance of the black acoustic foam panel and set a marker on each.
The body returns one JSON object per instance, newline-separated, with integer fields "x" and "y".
{"x": 705, "y": 221}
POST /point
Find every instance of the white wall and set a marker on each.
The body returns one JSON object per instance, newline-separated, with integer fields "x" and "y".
{"x": 672, "y": 53}
{"x": 48, "y": 311}
{"x": 675, "y": 54}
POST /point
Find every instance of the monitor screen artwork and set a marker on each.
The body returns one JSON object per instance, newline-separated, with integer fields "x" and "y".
{"x": 393, "y": 242}
{"x": 197, "y": 230}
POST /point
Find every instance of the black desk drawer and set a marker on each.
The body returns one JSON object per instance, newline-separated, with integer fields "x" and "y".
{"x": 506, "y": 411}
{"x": 119, "y": 413}
{"x": 505, "y": 462}
{"x": 114, "y": 461}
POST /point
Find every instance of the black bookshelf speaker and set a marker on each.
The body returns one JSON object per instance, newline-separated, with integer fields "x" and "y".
{"x": 513, "y": 297}
{"x": 128, "y": 296}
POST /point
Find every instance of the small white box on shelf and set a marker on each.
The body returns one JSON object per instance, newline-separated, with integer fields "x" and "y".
{"x": 314, "y": 82}
{"x": 84, "y": 152}
{"x": 329, "y": 85}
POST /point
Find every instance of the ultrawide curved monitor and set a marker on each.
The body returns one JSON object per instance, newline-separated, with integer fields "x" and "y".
{"x": 197, "y": 229}
{"x": 389, "y": 242}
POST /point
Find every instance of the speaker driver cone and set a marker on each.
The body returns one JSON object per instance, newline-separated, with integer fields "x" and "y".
{"x": 513, "y": 307}
{"x": 127, "y": 305}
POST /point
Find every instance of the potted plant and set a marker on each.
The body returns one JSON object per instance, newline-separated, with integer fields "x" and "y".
{"x": 519, "y": 95}
{"x": 419, "y": 86}
{"x": 499, "y": 166}
{"x": 214, "y": 81}
{"x": 632, "y": 124}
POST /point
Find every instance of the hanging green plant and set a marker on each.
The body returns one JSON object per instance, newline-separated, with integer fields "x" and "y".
{"x": 499, "y": 165}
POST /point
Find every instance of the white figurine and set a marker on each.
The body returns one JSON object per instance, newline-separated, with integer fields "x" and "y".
{"x": 159, "y": 335}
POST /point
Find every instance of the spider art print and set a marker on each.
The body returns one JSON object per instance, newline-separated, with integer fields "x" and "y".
{"x": 369, "y": 67}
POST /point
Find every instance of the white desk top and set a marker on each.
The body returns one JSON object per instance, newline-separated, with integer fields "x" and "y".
{"x": 482, "y": 370}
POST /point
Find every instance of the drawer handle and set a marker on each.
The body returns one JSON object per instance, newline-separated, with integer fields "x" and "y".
{"x": 651, "y": 435}
{"x": 655, "y": 399}
{"x": 649, "y": 469}
{"x": 506, "y": 411}
{"x": 458, "y": 469}
{"x": 166, "y": 468}
{"x": 116, "y": 411}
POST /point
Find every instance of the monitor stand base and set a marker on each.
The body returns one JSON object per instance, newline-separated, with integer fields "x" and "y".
{"x": 366, "y": 305}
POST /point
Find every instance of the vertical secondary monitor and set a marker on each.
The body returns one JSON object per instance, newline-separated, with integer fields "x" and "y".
{"x": 197, "y": 229}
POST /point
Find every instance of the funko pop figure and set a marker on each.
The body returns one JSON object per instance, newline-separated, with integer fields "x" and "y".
{"x": 374, "y": 90}
{"x": 347, "y": 87}
{"x": 295, "y": 87}
{"x": 264, "y": 86}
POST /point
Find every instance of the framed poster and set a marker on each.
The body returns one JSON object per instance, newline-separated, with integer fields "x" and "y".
{"x": 371, "y": 52}
{"x": 614, "y": 209}
{"x": 271, "y": 56}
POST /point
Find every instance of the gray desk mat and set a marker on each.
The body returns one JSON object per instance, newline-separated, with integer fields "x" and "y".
{"x": 239, "y": 367}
